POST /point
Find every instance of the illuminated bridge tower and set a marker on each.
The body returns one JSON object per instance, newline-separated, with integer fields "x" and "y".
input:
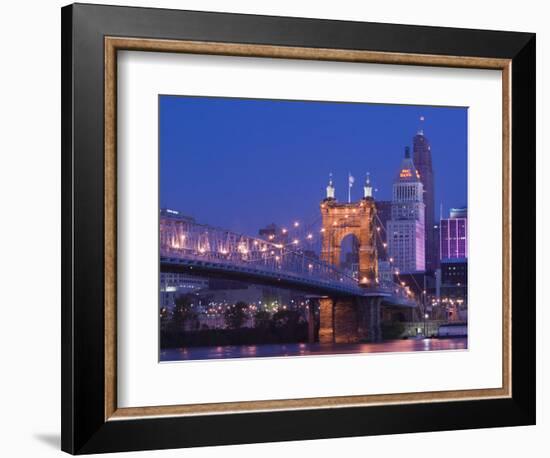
{"x": 347, "y": 321}
{"x": 357, "y": 218}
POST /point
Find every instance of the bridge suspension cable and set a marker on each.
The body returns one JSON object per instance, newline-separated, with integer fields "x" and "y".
{"x": 185, "y": 240}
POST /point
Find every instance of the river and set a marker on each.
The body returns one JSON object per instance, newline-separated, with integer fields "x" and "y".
{"x": 305, "y": 349}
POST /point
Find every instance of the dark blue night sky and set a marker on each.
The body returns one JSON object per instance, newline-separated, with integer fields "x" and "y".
{"x": 242, "y": 164}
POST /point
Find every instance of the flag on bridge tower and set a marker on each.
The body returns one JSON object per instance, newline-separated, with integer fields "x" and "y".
{"x": 351, "y": 180}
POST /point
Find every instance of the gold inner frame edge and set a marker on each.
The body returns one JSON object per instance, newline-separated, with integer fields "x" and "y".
{"x": 114, "y": 44}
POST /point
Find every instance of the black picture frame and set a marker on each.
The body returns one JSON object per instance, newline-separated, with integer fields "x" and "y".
{"x": 84, "y": 428}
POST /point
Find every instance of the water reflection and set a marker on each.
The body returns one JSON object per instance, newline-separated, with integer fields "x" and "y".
{"x": 304, "y": 349}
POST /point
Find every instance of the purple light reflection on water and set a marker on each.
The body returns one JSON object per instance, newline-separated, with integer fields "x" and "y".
{"x": 304, "y": 349}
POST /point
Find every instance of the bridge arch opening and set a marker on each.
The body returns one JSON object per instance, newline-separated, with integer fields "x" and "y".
{"x": 349, "y": 254}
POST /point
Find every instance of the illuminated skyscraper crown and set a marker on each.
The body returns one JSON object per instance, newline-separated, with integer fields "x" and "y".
{"x": 408, "y": 191}
{"x": 408, "y": 173}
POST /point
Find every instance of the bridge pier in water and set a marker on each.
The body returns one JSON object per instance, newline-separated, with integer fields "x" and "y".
{"x": 349, "y": 320}
{"x": 372, "y": 316}
{"x": 313, "y": 303}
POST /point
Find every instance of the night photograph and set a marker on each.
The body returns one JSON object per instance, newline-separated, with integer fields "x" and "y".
{"x": 296, "y": 228}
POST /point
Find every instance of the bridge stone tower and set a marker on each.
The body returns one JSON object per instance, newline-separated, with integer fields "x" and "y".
{"x": 348, "y": 321}
{"x": 357, "y": 218}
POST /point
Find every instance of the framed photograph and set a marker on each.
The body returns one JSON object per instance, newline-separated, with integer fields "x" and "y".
{"x": 281, "y": 228}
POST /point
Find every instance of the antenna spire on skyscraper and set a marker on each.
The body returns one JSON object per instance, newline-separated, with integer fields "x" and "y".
{"x": 421, "y": 129}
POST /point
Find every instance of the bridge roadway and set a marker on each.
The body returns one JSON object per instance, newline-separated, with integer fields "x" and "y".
{"x": 311, "y": 283}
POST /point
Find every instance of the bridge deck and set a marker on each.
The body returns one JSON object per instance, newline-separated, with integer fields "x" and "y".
{"x": 281, "y": 278}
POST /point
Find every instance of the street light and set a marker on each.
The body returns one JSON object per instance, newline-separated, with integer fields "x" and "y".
{"x": 425, "y": 318}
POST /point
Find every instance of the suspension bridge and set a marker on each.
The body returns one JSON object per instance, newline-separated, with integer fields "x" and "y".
{"x": 198, "y": 249}
{"x": 350, "y": 308}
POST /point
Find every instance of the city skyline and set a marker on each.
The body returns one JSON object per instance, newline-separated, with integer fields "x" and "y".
{"x": 269, "y": 228}
{"x": 294, "y": 142}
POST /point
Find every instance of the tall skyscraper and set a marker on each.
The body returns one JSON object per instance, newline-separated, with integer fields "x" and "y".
{"x": 406, "y": 234}
{"x": 422, "y": 158}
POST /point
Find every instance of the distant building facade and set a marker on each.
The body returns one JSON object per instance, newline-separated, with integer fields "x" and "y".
{"x": 454, "y": 235}
{"x": 274, "y": 234}
{"x": 454, "y": 288}
{"x": 383, "y": 213}
{"x": 461, "y": 212}
{"x": 174, "y": 284}
{"x": 454, "y": 263}
{"x": 454, "y": 272}
{"x": 406, "y": 230}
